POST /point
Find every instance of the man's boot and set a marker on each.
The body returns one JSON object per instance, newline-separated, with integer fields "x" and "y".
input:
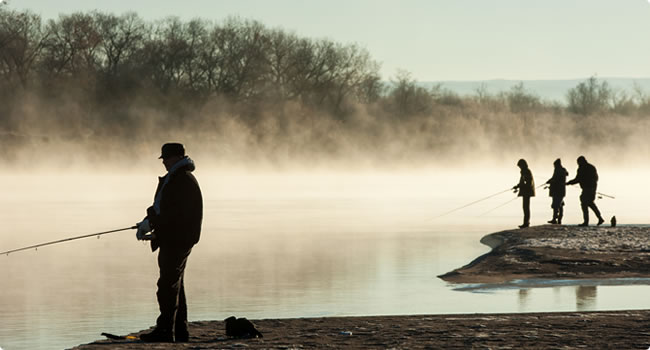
{"x": 181, "y": 335}
{"x": 157, "y": 336}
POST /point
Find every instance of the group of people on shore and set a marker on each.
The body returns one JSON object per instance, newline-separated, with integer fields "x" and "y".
{"x": 587, "y": 177}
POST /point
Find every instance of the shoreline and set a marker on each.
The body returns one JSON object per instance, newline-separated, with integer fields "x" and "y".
{"x": 557, "y": 252}
{"x": 568, "y": 330}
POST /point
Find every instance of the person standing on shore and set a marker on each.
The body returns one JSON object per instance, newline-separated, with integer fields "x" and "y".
{"x": 557, "y": 191}
{"x": 526, "y": 188}
{"x": 175, "y": 222}
{"x": 587, "y": 177}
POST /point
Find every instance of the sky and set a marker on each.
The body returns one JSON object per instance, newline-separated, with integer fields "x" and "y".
{"x": 438, "y": 40}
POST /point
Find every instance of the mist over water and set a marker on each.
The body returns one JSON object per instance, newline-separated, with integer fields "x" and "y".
{"x": 96, "y": 88}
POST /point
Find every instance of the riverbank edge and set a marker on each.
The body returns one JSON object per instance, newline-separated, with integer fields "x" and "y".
{"x": 513, "y": 256}
{"x": 566, "y": 330}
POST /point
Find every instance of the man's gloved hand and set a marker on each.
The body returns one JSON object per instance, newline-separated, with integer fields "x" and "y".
{"x": 143, "y": 229}
{"x": 148, "y": 237}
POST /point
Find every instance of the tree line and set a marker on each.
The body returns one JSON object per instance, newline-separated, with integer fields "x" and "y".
{"x": 107, "y": 76}
{"x": 240, "y": 59}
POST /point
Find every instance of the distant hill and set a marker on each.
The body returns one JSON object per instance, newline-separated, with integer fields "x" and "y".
{"x": 546, "y": 89}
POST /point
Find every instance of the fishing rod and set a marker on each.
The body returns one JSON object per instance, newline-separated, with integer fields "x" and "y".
{"x": 601, "y": 195}
{"x": 474, "y": 202}
{"x": 501, "y": 205}
{"x": 604, "y": 195}
{"x": 98, "y": 234}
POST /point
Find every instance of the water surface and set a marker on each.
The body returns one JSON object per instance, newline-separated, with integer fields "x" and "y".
{"x": 273, "y": 246}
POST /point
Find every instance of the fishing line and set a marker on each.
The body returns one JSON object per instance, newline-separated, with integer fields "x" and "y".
{"x": 474, "y": 202}
{"x": 501, "y": 205}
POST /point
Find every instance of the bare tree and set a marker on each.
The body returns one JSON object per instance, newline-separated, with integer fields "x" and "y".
{"x": 407, "y": 97}
{"x": 166, "y": 53}
{"x": 121, "y": 38}
{"x": 21, "y": 42}
{"x": 280, "y": 50}
{"x": 589, "y": 97}
{"x": 198, "y": 41}
{"x": 242, "y": 46}
{"x": 521, "y": 100}
{"x": 72, "y": 49}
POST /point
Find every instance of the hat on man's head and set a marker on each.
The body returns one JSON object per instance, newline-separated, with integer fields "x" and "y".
{"x": 172, "y": 149}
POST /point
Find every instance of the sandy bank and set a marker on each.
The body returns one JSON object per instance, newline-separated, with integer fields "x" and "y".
{"x": 574, "y": 330}
{"x": 560, "y": 252}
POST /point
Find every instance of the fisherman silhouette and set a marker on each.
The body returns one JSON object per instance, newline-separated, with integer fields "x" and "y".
{"x": 557, "y": 191}
{"x": 175, "y": 219}
{"x": 587, "y": 177}
{"x": 526, "y": 188}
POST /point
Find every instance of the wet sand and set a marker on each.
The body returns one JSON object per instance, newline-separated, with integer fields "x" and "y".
{"x": 560, "y": 252}
{"x": 562, "y": 330}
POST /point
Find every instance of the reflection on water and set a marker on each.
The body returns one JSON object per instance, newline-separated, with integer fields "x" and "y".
{"x": 585, "y": 298}
{"x": 523, "y": 298}
{"x": 272, "y": 246}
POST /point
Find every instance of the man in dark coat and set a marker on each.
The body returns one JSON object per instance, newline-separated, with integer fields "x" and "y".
{"x": 175, "y": 222}
{"x": 557, "y": 190}
{"x": 526, "y": 188}
{"x": 587, "y": 177}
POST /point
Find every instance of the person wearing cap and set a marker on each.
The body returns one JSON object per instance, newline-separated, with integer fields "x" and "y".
{"x": 173, "y": 225}
{"x": 587, "y": 177}
{"x": 557, "y": 191}
{"x": 526, "y": 188}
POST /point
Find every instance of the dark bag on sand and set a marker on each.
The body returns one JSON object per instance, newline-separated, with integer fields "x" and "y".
{"x": 241, "y": 328}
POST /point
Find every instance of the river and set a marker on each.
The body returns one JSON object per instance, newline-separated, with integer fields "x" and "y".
{"x": 275, "y": 245}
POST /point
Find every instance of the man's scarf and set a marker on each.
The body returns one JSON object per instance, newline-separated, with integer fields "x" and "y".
{"x": 186, "y": 161}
